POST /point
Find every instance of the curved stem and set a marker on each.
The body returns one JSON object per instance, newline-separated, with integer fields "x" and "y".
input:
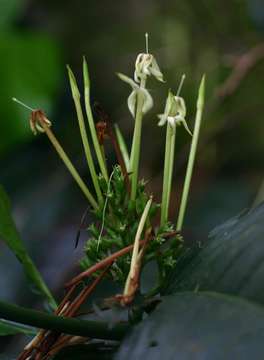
{"x": 99, "y": 330}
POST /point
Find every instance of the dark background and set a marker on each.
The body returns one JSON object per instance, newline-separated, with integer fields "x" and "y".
{"x": 224, "y": 39}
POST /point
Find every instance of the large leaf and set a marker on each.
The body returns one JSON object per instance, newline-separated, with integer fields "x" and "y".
{"x": 201, "y": 326}
{"x": 10, "y": 328}
{"x": 84, "y": 352}
{"x": 10, "y": 235}
{"x": 231, "y": 261}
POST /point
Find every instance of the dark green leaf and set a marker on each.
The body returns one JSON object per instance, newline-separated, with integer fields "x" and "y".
{"x": 10, "y": 235}
{"x": 231, "y": 261}
{"x": 10, "y": 328}
{"x": 198, "y": 327}
{"x": 84, "y": 352}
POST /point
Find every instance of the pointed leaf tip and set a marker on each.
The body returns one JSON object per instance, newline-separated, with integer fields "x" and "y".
{"x": 73, "y": 82}
{"x": 86, "y": 75}
{"x": 201, "y": 93}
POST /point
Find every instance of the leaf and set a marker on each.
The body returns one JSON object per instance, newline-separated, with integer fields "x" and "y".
{"x": 231, "y": 261}
{"x": 10, "y": 235}
{"x": 122, "y": 145}
{"x": 197, "y": 327}
{"x": 84, "y": 352}
{"x": 10, "y": 328}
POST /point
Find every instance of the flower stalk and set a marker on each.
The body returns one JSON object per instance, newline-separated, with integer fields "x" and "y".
{"x": 136, "y": 143}
{"x": 174, "y": 114}
{"x": 167, "y": 173}
{"x": 87, "y": 149}
{"x": 193, "y": 150}
{"x": 64, "y": 157}
{"x": 139, "y": 102}
{"x": 39, "y": 122}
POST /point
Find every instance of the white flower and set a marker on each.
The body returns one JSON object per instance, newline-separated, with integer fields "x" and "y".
{"x": 174, "y": 112}
{"x": 146, "y": 65}
{"x": 136, "y": 90}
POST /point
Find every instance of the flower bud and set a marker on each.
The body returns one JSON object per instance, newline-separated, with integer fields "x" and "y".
{"x": 146, "y": 65}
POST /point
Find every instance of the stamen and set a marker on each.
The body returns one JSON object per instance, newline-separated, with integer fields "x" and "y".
{"x": 22, "y": 104}
{"x": 180, "y": 85}
{"x": 147, "y": 43}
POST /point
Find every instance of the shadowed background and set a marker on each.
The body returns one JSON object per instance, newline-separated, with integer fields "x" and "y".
{"x": 224, "y": 39}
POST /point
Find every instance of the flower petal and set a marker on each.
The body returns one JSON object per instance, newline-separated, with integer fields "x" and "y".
{"x": 172, "y": 121}
{"x": 163, "y": 119}
{"x": 131, "y": 102}
{"x": 128, "y": 80}
{"x": 180, "y": 105}
{"x": 148, "y": 101}
{"x": 155, "y": 70}
{"x": 184, "y": 123}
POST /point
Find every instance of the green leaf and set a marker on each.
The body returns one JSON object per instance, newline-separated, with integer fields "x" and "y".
{"x": 10, "y": 235}
{"x": 231, "y": 261}
{"x": 84, "y": 352}
{"x": 122, "y": 145}
{"x": 199, "y": 326}
{"x": 10, "y": 328}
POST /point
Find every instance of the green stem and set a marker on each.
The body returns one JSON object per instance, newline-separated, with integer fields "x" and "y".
{"x": 135, "y": 151}
{"x": 122, "y": 145}
{"x": 93, "y": 329}
{"x": 87, "y": 150}
{"x": 89, "y": 114}
{"x": 167, "y": 173}
{"x": 70, "y": 166}
{"x": 189, "y": 171}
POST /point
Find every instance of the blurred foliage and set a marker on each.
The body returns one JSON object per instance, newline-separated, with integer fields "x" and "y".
{"x": 29, "y": 69}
